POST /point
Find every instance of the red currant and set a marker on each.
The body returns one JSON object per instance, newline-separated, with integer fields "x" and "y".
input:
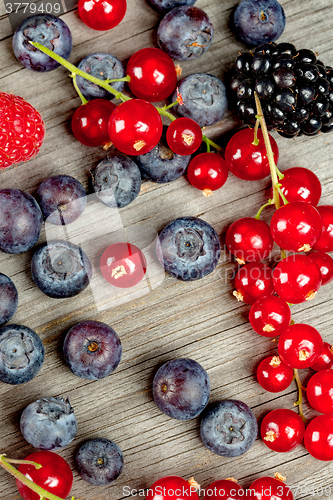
{"x": 301, "y": 184}
{"x": 55, "y": 475}
{"x": 253, "y": 281}
{"x": 274, "y": 375}
{"x": 325, "y": 264}
{"x": 135, "y": 127}
{"x": 318, "y": 437}
{"x": 300, "y": 345}
{"x": 325, "y": 242}
{"x": 320, "y": 391}
{"x": 184, "y": 136}
{"x": 90, "y": 122}
{"x": 269, "y": 316}
{"x": 123, "y": 265}
{"x": 269, "y": 488}
{"x": 296, "y": 226}
{"x": 325, "y": 360}
{"x": 225, "y": 489}
{"x": 282, "y": 430}
{"x": 172, "y": 488}
{"x": 102, "y": 15}
{"x": 296, "y": 279}
{"x": 207, "y": 171}
{"x": 153, "y": 74}
{"x": 247, "y": 161}
{"x": 249, "y": 239}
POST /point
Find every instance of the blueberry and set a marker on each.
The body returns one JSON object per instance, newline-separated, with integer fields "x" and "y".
{"x": 99, "y": 461}
{"x": 8, "y": 299}
{"x": 48, "y": 30}
{"x": 104, "y": 66}
{"x": 181, "y": 388}
{"x": 161, "y": 164}
{"x": 48, "y": 423}
{"x": 20, "y": 221}
{"x": 166, "y": 5}
{"x": 189, "y": 248}
{"x": 60, "y": 269}
{"x": 21, "y": 354}
{"x": 116, "y": 180}
{"x": 228, "y": 428}
{"x": 185, "y": 33}
{"x": 259, "y": 21}
{"x": 92, "y": 350}
{"x": 61, "y": 198}
{"x": 204, "y": 98}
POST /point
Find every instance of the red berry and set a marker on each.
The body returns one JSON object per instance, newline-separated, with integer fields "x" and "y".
{"x": 253, "y": 281}
{"x": 325, "y": 360}
{"x": 269, "y": 488}
{"x": 318, "y": 437}
{"x": 320, "y": 391}
{"x": 123, "y": 265}
{"x": 153, "y": 74}
{"x": 296, "y": 279}
{"x": 301, "y": 184}
{"x": 135, "y": 127}
{"x": 296, "y": 226}
{"x": 247, "y": 161}
{"x": 103, "y": 15}
{"x": 282, "y": 430}
{"x": 90, "y": 122}
{"x": 55, "y": 475}
{"x": 172, "y": 488}
{"x": 325, "y": 242}
{"x": 274, "y": 375}
{"x": 300, "y": 345}
{"x": 249, "y": 239}
{"x": 22, "y": 130}
{"x": 325, "y": 264}
{"x": 269, "y": 316}
{"x": 225, "y": 489}
{"x": 207, "y": 171}
{"x": 184, "y": 136}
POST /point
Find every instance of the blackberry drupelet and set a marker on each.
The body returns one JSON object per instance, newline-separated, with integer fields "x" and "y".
{"x": 295, "y": 89}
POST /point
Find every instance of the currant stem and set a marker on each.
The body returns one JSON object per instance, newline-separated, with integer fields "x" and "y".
{"x": 268, "y": 204}
{"x": 284, "y": 199}
{"x": 24, "y": 480}
{"x": 299, "y": 402}
{"x": 76, "y": 71}
{"x": 256, "y": 140}
{"x": 270, "y": 155}
{"x": 81, "y": 96}
{"x": 209, "y": 143}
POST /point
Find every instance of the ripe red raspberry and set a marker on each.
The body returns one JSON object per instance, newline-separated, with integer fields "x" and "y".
{"x": 22, "y": 130}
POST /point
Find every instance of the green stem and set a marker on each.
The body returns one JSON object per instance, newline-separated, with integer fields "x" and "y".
{"x": 5, "y": 463}
{"x": 284, "y": 199}
{"x": 299, "y": 402}
{"x": 270, "y": 155}
{"x": 255, "y": 139}
{"x": 76, "y": 71}
{"x": 81, "y": 96}
{"x": 283, "y": 253}
{"x": 211, "y": 143}
{"x": 268, "y": 204}
{"x": 163, "y": 111}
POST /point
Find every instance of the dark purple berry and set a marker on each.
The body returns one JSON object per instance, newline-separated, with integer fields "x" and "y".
{"x": 8, "y": 299}
{"x": 181, "y": 388}
{"x": 92, "y": 350}
{"x": 99, "y": 461}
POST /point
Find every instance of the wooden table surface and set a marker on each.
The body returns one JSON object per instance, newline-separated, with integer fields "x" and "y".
{"x": 169, "y": 319}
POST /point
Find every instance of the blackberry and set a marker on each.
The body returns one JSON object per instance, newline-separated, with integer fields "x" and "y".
{"x": 294, "y": 87}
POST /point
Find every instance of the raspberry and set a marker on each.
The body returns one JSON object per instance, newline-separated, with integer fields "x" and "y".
{"x": 22, "y": 130}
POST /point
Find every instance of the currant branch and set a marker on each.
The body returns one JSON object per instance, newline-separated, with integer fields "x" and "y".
{"x": 44, "y": 494}
{"x": 105, "y": 84}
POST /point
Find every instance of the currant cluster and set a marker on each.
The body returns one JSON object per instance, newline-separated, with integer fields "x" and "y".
{"x": 296, "y": 89}
{"x": 298, "y": 226}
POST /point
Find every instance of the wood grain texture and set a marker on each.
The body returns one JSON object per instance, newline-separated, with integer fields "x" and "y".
{"x": 200, "y": 320}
